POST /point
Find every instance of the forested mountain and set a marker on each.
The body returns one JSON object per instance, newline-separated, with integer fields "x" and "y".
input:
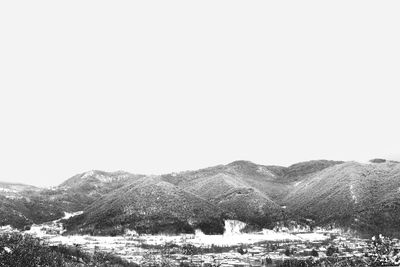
{"x": 364, "y": 197}
{"x": 240, "y": 190}
{"x": 22, "y": 205}
{"x": 81, "y": 190}
{"x": 149, "y": 206}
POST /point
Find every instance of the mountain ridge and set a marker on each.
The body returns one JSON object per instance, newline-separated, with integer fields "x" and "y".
{"x": 347, "y": 194}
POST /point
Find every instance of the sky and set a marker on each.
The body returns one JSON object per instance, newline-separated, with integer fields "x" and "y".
{"x": 162, "y": 86}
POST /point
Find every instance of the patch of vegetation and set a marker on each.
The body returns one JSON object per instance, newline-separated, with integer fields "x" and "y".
{"x": 361, "y": 197}
{"x": 112, "y": 225}
{"x": 24, "y": 211}
{"x": 327, "y": 262}
{"x": 17, "y": 250}
{"x": 377, "y": 160}
{"x": 152, "y": 208}
{"x": 331, "y": 250}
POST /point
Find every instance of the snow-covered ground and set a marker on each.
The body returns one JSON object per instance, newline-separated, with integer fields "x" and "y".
{"x": 7, "y": 190}
{"x": 52, "y": 233}
{"x": 72, "y": 214}
{"x": 50, "y": 229}
{"x": 200, "y": 239}
{"x": 130, "y": 246}
{"x": 231, "y": 237}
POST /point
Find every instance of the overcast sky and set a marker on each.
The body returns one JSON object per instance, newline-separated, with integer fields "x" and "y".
{"x": 160, "y": 86}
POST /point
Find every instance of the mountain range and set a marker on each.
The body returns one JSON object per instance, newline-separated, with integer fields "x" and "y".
{"x": 364, "y": 197}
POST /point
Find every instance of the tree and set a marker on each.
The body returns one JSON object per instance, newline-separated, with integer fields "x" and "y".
{"x": 331, "y": 250}
{"x": 314, "y": 253}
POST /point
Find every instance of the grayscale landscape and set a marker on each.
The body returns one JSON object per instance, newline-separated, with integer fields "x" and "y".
{"x": 212, "y": 133}
{"x": 238, "y": 214}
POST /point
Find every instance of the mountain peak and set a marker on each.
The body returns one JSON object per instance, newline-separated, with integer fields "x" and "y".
{"x": 378, "y": 160}
{"x": 241, "y": 163}
{"x": 97, "y": 176}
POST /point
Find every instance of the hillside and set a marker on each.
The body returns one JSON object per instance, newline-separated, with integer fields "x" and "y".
{"x": 27, "y": 251}
{"x": 241, "y": 190}
{"x": 149, "y": 206}
{"x": 24, "y": 211}
{"x": 81, "y": 190}
{"x": 230, "y": 193}
{"x": 252, "y": 192}
{"x": 92, "y": 180}
{"x": 364, "y": 197}
{"x": 15, "y": 188}
{"x": 274, "y": 181}
{"x": 359, "y": 196}
{"x": 302, "y": 170}
{"x": 22, "y": 205}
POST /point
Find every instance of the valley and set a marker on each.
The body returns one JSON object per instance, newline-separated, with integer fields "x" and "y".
{"x": 233, "y": 248}
{"x": 238, "y": 214}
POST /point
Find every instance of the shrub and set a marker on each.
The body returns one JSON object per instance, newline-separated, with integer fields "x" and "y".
{"x": 241, "y": 251}
{"x": 314, "y": 253}
{"x": 19, "y": 250}
{"x": 382, "y": 252}
{"x": 331, "y": 250}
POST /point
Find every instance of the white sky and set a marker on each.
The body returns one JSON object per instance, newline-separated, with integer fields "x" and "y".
{"x": 162, "y": 86}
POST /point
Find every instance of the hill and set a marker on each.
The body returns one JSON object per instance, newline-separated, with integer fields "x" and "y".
{"x": 240, "y": 190}
{"x": 232, "y": 194}
{"x": 19, "y": 212}
{"x": 302, "y": 170}
{"x": 15, "y": 188}
{"x": 364, "y": 197}
{"x": 149, "y": 205}
{"x": 92, "y": 180}
{"x": 22, "y": 205}
{"x": 252, "y": 192}
{"x": 81, "y": 190}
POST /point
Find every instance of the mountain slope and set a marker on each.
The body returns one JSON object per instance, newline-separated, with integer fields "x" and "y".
{"x": 302, "y": 170}
{"x": 15, "y": 188}
{"x": 149, "y": 206}
{"x": 94, "y": 179}
{"x": 22, "y": 205}
{"x": 81, "y": 190}
{"x": 252, "y": 192}
{"x": 247, "y": 203}
{"x": 365, "y": 197}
